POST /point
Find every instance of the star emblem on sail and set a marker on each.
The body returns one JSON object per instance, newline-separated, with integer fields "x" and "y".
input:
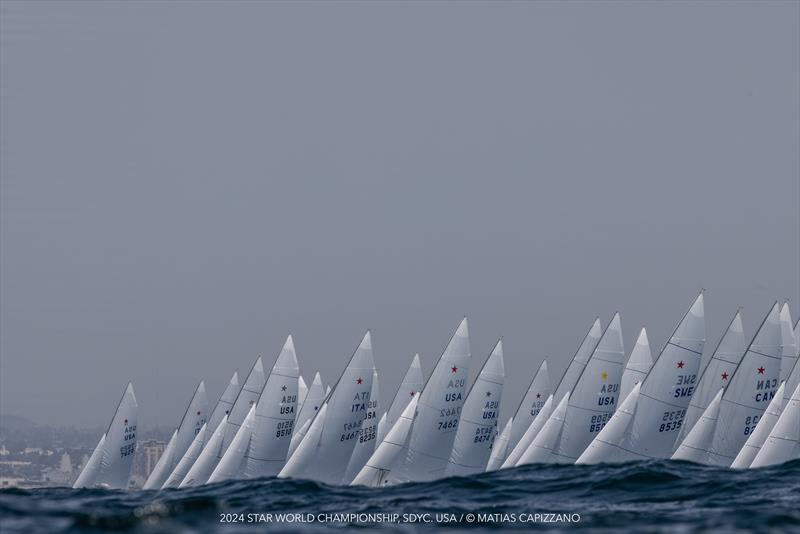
{"x": 418, "y": 447}
{"x": 567, "y": 382}
{"x": 325, "y": 450}
{"x": 637, "y": 432}
{"x": 583, "y": 411}
{"x": 475, "y": 434}
{"x": 110, "y": 464}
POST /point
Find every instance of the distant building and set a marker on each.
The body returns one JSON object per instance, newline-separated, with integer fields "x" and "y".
{"x": 147, "y": 454}
{"x": 66, "y": 463}
{"x": 11, "y": 482}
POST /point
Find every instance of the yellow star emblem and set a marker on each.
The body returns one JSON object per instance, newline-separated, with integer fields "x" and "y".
{"x": 604, "y": 375}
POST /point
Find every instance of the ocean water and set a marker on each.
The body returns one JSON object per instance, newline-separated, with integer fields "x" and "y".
{"x": 653, "y": 496}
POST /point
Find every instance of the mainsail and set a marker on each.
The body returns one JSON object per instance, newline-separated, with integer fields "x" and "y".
{"x": 531, "y": 404}
{"x": 221, "y": 409}
{"x": 783, "y": 443}
{"x": 302, "y": 391}
{"x": 662, "y": 398}
{"x": 365, "y": 445}
{"x": 409, "y": 387}
{"x": 274, "y": 417}
{"x": 117, "y": 447}
{"x": 193, "y": 419}
{"x": 311, "y": 405}
{"x": 638, "y": 365}
{"x": 567, "y": 382}
{"x": 752, "y": 387}
{"x": 248, "y": 396}
{"x": 478, "y": 425}
{"x": 604, "y": 447}
{"x": 438, "y": 414}
{"x": 388, "y": 451}
{"x": 324, "y": 457}
{"x": 717, "y": 373}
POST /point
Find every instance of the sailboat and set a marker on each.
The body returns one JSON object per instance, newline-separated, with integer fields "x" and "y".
{"x": 694, "y": 447}
{"x": 365, "y": 446}
{"x": 638, "y": 365}
{"x": 529, "y": 407}
{"x": 409, "y": 387}
{"x": 311, "y": 405}
{"x": 192, "y": 421}
{"x": 716, "y": 374}
{"x": 768, "y": 420}
{"x": 325, "y": 451}
{"x": 752, "y": 386}
{"x": 567, "y": 382}
{"x": 110, "y": 463}
{"x": 478, "y": 424}
{"x": 783, "y": 443}
{"x": 661, "y": 400}
{"x": 427, "y": 451}
{"x": 389, "y": 450}
{"x": 223, "y": 435}
{"x": 590, "y": 404}
{"x": 221, "y": 409}
{"x": 263, "y": 439}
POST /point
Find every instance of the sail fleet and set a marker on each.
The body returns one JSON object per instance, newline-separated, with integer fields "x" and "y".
{"x": 741, "y": 409}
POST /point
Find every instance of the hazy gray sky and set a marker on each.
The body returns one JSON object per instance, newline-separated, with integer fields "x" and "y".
{"x": 183, "y": 184}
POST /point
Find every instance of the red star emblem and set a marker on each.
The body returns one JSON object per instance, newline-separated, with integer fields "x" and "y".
{"x": 724, "y": 376}
{"x": 358, "y": 380}
{"x": 412, "y": 393}
{"x": 680, "y": 364}
{"x": 760, "y": 370}
{"x": 454, "y": 369}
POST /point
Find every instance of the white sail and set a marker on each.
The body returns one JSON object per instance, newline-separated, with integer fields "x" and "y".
{"x": 500, "y": 447}
{"x": 221, "y": 409}
{"x": 388, "y": 451}
{"x": 302, "y": 391}
{"x": 694, "y": 447}
{"x": 595, "y": 397}
{"x": 478, "y": 425}
{"x": 530, "y": 434}
{"x": 311, "y": 405}
{"x": 248, "y": 396}
{"x": 789, "y": 344}
{"x": 274, "y": 417}
{"x": 538, "y": 391}
{"x": 346, "y": 411}
{"x": 89, "y": 472}
{"x": 663, "y": 396}
{"x": 308, "y": 448}
{"x": 783, "y": 443}
{"x": 116, "y": 448}
{"x": 604, "y": 447}
{"x": 231, "y": 465}
{"x": 365, "y": 446}
{"x": 207, "y": 459}
{"x": 193, "y": 419}
{"x": 637, "y": 366}
{"x": 546, "y": 441}
{"x": 752, "y": 387}
{"x": 717, "y": 373}
{"x": 437, "y": 416}
{"x": 764, "y": 426}
{"x": 187, "y": 461}
{"x": 409, "y": 387}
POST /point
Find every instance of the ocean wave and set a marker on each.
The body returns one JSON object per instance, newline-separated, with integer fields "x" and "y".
{"x": 651, "y": 496}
